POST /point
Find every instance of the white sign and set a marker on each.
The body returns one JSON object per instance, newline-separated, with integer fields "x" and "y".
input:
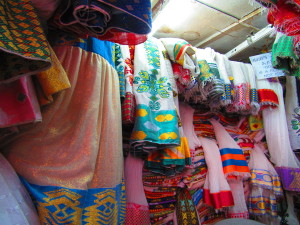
{"x": 263, "y": 66}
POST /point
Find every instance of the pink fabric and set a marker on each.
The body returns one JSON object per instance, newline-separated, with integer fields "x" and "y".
{"x": 137, "y": 209}
{"x": 18, "y": 103}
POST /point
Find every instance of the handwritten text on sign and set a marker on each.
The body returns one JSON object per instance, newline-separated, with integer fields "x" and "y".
{"x": 263, "y": 66}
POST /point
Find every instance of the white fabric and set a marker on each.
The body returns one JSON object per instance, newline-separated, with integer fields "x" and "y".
{"x": 251, "y": 78}
{"x": 16, "y": 206}
{"x": 277, "y": 134}
{"x": 292, "y": 111}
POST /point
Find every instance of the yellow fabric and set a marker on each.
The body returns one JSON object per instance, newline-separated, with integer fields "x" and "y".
{"x": 52, "y": 80}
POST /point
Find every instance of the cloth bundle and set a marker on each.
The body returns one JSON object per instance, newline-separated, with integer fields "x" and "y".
{"x": 118, "y": 21}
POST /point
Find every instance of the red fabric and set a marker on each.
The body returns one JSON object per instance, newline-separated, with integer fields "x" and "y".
{"x": 267, "y": 98}
{"x": 137, "y": 214}
{"x": 285, "y": 16}
{"x": 18, "y": 103}
{"x": 218, "y": 200}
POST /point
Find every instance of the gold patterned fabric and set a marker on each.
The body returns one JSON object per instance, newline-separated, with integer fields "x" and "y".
{"x": 23, "y": 45}
{"x": 72, "y": 162}
{"x": 52, "y": 81}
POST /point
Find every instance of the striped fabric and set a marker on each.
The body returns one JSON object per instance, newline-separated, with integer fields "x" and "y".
{"x": 233, "y": 160}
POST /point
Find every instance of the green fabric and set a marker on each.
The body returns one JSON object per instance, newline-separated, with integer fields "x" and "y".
{"x": 283, "y": 56}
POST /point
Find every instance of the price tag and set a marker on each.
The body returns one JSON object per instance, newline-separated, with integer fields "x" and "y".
{"x": 263, "y": 66}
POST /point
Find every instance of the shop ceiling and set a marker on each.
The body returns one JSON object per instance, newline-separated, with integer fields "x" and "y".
{"x": 219, "y": 24}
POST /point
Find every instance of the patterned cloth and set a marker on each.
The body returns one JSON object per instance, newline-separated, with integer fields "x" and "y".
{"x": 120, "y": 67}
{"x": 285, "y": 17}
{"x": 84, "y": 184}
{"x": 292, "y": 107}
{"x": 117, "y": 21}
{"x": 283, "y": 56}
{"x": 156, "y": 124}
{"x": 18, "y": 103}
{"x": 129, "y": 103}
{"x": 185, "y": 209}
{"x": 23, "y": 46}
{"x": 265, "y": 183}
{"x": 51, "y": 81}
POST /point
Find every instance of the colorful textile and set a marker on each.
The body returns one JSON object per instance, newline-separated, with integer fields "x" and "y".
{"x": 223, "y": 64}
{"x": 265, "y": 184}
{"x": 216, "y": 189}
{"x": 156, "y": 123}
{"x": 16, "y": 207}
{"x": 18, "y": 103}
{"x": 120, "y": 64}
{"x": 60, "y": 205}
{"x": 292, "y": 107}
{"x": 23, "y": 44}
{"x": 277, "y": 136}
{"x": 283, "y": 56}
{"x": 117, "y": 21}
{"x": 177, "y": 48}
{"x": 51, "y": 81}
{"x": 285, "y": 17}
{"x": 211, "y": 86}
{"x": 185, "y": 208}
{"x": 170, "y": 161}
{"x": 251, "y": 79}
{"x": 129, "y": 103}
{"x": 233, "y": 159}
{"x": 84, "y": 184}
{"x": 137, "y": 209}
{"x": 256, "y": 122}
{"x": 290, "y": 178}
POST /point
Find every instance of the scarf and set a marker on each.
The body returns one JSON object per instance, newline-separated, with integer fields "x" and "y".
{"x": 156, "y": 123}
{"x": 23, "y": 45}
{"x": 240, "y": 87}
{"x": 283, "y": 56}
{"x": 216, "y": 188}
{"x": 137, "y": 209}
{"x": 265, "y": 184}
{"x": 251, "y": 78}
{"x": 235, "y": 168}
{"x": 222, "y": 63}
{"x": 18, "y": 103}
{"x": 121, "y": 22}
{"x": 211, "y": 86}
{"x": 285, "y": 17}
{"x": 266, "y": 96}
{"x": 182, "y": 52}
{"x": 282, "y": 155}
{"x": 128, "y": 104}
{"x": 292, "y": 107}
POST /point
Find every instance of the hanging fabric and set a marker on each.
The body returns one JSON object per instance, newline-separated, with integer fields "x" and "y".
{"x": 71, "y": 164}
{"x": 156, "y": 123}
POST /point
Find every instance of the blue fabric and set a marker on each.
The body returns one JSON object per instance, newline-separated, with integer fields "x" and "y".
{"x": 235, "y": 162}
{"x": 102, "y": 48}
{"x": 60, "y": 205}
{"x": 225, "y": 151}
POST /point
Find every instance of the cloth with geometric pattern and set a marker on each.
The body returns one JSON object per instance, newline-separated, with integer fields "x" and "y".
{"x": 156, "y": 122}
{"x": 124, "y": 22}
{"x": 23, "y": 45}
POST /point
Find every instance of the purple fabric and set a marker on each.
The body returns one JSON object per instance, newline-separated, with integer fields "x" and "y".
{"x": 290, "y": 178}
